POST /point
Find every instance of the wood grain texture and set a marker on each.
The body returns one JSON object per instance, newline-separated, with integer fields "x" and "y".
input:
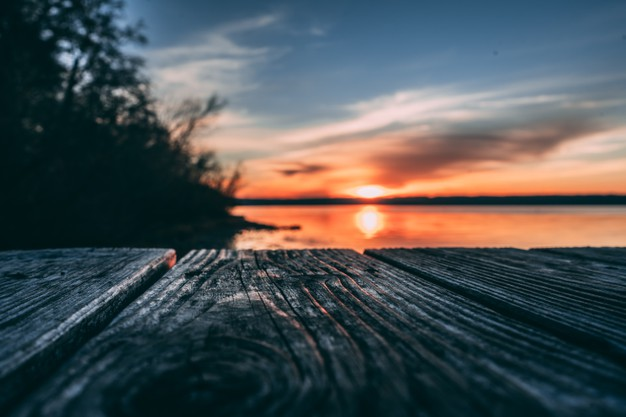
{"x": 582, "y": 303}
{"x": 605, "y": 257}
{"x": 320, "y": 333}
{"x": 52, "y": 301}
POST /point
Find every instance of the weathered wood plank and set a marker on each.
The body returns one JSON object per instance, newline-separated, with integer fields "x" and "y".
{"x": 52, "y": 301}
{"x": 593, "y": 277}
{"x": 585, "y": 305}
{"x": 321, "y": 333}
{"x": 610, "y": 257}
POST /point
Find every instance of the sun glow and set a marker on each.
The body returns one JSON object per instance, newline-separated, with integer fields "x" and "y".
{"x": 369, "y": 221}
{"x": 370, "y": 191}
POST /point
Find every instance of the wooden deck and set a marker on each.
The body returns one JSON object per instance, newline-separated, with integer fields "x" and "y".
{"x": 393, "y": 332}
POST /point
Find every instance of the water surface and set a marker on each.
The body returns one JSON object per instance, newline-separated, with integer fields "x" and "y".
{"x": 371, "y": 226}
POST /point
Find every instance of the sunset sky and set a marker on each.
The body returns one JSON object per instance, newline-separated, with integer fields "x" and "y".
{"x": 415, "y": 97}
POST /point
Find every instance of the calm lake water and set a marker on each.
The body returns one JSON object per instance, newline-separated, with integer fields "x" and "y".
{"x": 371, "y": 226}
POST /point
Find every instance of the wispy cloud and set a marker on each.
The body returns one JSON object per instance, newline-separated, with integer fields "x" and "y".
{"x": 213, "y": 61}
{"x": 254, "y": 23}
{"x": 318, "y": 31}
{"x": 402, "y": 108}
{"x": 440, "y": 110}
{"x": 301, "y": 168}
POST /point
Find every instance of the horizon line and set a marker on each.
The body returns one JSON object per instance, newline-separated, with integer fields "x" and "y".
{"x": 554, "y": 199}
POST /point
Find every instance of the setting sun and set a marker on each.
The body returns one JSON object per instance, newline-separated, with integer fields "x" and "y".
{"x": 370, "y": 191}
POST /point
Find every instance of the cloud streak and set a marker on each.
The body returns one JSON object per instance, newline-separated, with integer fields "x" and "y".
{"x": 213, "y": 61}
{"x": 444, "y": 108}
{"x": 437, "y": 156}
{"x": 301, "y": 168}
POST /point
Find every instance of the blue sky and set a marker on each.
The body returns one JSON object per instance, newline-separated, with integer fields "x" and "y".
{"x": 436, "y": 97}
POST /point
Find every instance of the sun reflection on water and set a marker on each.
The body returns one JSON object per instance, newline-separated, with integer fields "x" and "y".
{"x": 369, "y": 221}
{"x": 380, "y": 226}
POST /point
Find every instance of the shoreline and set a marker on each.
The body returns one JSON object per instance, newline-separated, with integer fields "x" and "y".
{"x": 205, "y": 233}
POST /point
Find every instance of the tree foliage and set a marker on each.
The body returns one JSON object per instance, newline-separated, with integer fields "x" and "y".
{"x": 85, "y": 157}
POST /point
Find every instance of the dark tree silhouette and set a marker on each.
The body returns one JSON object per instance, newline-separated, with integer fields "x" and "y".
{"x": 85, "y": 159}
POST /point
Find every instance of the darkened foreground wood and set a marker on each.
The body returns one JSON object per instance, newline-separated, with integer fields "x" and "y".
{"x": 611, "y": 258}
{"x": 51, "y": 301}
{"x": 582, "y": 302}
{"x": 321, "y": 333}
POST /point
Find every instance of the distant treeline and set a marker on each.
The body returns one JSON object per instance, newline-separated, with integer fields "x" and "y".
{"x": 85, "y": 158}
{"x": 451, "y": 201}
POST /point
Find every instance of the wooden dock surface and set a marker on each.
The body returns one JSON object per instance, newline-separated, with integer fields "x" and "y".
{"x": 393, "y": 332}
